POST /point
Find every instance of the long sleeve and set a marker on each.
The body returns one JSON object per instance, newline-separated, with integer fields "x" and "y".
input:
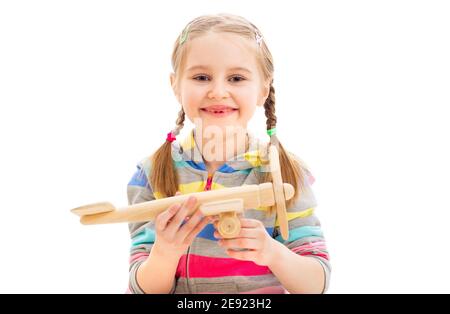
{"x": 306, "y": 237}
{"x": 142, "y": 233}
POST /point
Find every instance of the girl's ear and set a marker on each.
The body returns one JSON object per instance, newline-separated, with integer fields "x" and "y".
{"x": 174, "y": 87}
{"x": 264, "y": 93}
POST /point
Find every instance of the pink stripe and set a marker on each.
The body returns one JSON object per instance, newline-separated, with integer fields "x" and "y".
{"x": 207, "y": 267}
{"x": 321, "y": 254}
{"x": 138, "y": 256}
{"x": 313, "y": 244}
{"x": 310, "y": 246}
{"x": 303, "y": 250}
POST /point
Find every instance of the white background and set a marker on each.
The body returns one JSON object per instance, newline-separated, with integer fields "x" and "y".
{"x": 362, "y": 96}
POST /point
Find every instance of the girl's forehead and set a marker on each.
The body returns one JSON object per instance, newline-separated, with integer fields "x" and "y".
{"x": 220, "y": 49}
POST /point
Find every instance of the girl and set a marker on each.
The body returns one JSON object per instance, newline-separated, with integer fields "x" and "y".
{"x": 222, "y": 73}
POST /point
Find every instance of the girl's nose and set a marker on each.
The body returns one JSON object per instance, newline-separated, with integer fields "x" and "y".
{"x": 218, "y": 91}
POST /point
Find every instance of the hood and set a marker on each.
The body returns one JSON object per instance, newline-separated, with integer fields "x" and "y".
{"x": 187, "y": 152}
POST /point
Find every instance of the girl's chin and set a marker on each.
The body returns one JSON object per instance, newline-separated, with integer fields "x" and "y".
{"x": 226, "y": 125}
{"x": 218, "y": 119}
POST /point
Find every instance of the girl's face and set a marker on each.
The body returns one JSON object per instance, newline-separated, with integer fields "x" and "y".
{"x": 221, "y": 83}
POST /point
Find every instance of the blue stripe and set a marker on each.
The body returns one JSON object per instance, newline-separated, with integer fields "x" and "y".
{"x": 302, "y": 232}
{"x": 146, "y": 236}
{"x": 208, "y": 232}
{"x": 139, "y": 178}
{"x": 181, "y": 164}
{"x": 226, "y": 169}
{"x": 199, "y": 166}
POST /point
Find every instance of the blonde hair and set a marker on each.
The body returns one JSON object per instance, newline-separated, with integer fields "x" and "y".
{"x": 163, "y": 176}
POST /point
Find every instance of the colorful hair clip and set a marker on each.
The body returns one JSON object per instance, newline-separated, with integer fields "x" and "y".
{"x": 259, "y": 39}
{"x": 184, "y": 35}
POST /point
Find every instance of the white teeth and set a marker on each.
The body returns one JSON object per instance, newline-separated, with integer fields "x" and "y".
{"x": 218, "y": 111}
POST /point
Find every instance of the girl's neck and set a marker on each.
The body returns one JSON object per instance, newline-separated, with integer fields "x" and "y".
{"x": 217, "y": 149}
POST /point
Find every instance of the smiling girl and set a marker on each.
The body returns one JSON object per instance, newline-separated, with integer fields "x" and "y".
{"x": 222, "y": 74}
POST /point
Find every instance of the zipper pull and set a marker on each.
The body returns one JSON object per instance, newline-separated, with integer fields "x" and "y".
{"x": 208, "y": 183}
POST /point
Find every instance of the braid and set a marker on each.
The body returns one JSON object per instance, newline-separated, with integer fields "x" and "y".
{"x": 179, "y": 122}
{"x": 269, "y": 107}
{"x": 269, "y": 110}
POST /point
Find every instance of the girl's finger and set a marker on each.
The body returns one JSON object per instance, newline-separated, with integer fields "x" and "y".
{"x": 191, "y": 223}
{"x": 250, "y": 223}
{"x": 217, "y": 235}
{"x": 251, "y": 233}
{"x": 164, "y": 218}
{"x": 178, "y": 219}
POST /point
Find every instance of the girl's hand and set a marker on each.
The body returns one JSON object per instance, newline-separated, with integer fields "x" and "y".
{"x": 172, "y": 236}
{"x": 253, "y": 236}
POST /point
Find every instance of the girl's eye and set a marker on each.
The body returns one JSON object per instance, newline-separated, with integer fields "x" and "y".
{"x": 239, "y": 78}
{"x": 200, "y": 78}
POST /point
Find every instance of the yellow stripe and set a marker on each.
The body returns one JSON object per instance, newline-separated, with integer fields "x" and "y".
{"x": 303, "y": 214}
{"x": 253, "y": 158}
{"x": 216, "y": 186}
{"x": 192, "y": 187}
{"x": 197, "y": 186}
{"x": 158, "y": 195}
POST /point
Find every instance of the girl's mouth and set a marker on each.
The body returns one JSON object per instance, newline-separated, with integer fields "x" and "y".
{"x": 219, "y": 113}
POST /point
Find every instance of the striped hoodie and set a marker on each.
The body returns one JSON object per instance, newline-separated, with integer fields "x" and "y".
{"x": 205, "y": 267}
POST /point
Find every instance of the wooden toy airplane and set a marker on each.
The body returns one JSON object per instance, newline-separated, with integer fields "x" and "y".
{"x": 226, "y": 203}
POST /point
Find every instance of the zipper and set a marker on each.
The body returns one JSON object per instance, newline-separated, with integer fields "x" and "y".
{"x": 187, "y": 270}
{"x": 208, "y": 182}
{"x": 207, "y": 188}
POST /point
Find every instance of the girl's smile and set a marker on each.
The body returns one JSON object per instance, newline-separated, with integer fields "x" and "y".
{"x": 219, "y": 111}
